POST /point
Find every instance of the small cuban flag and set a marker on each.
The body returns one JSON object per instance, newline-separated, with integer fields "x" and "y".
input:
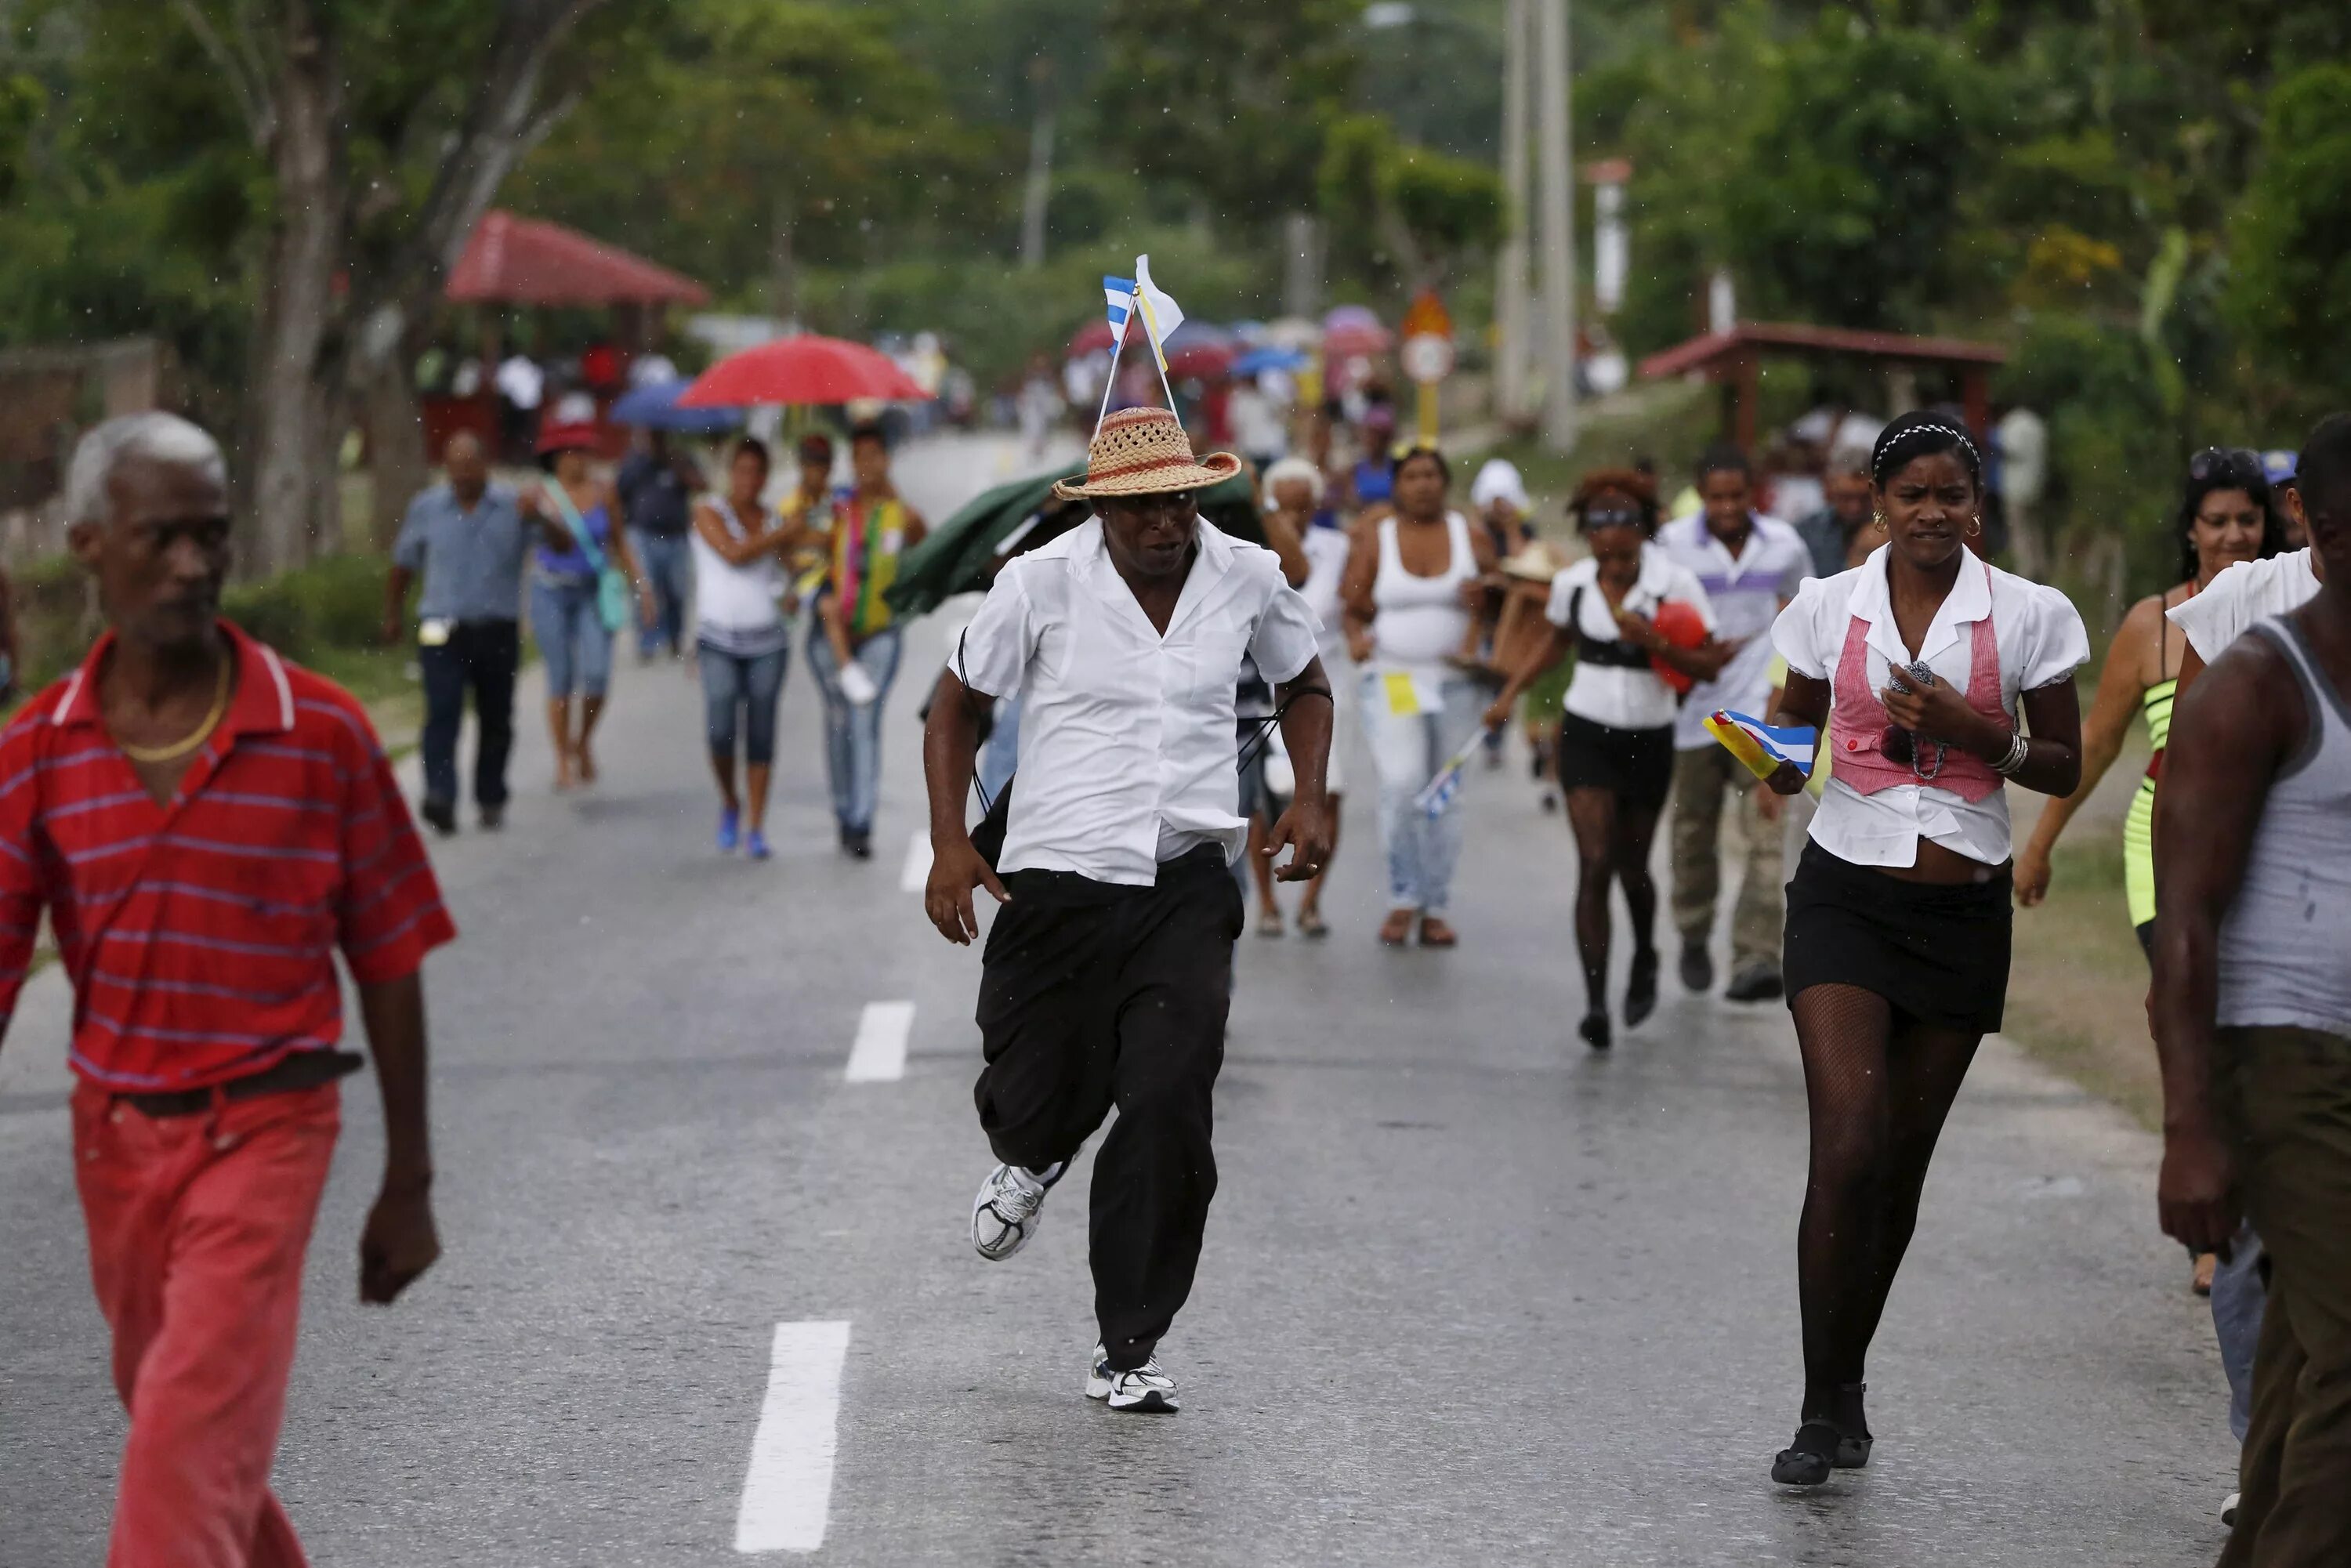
{"x": 1762, "y": 747}
{"x": 1437, "y": 795}
{"x": 1120, "y": 292}
{"x": 1161, "y": 315}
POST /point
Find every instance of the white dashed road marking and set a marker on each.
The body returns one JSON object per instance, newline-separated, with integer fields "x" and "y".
{"x": 880, "y": 1054}
{"x": 788, "y": 1493}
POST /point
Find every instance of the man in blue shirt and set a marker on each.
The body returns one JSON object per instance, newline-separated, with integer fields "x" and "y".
{"x": 656, "y": 487}
{"x": 467, "y": 537}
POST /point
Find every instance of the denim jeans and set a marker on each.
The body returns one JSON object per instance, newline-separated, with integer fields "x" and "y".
{"x": 733, "y": 687}
{"x": 853, "y": 736}
{"x": 667, "y": 562}
{"x": 480, "y": 656}
{"x": 1407, "y": 750}
{"x": 571, "y": 635}
{"x": 2238, "y": 1297}
{"x": 1001, "y": 755}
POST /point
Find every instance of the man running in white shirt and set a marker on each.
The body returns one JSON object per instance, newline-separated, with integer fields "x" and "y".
{"x": 1109, "y": 969}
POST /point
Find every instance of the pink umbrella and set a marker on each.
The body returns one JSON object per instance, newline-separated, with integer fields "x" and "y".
{"x": 1094, "y": 337}
{"x": 1359, "y": 335}
{"x": 803, "y": 370}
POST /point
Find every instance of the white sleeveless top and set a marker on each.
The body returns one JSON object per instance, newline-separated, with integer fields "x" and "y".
{"x": 735, "y": 608}
{"x": 2284, "y": 956}
{"x": 1421, "y": 621}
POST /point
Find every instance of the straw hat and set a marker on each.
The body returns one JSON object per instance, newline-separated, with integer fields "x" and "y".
{"x": 1145, "y": 452}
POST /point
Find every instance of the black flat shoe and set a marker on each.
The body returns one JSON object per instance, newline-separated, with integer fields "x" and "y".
{"x": 1810, "y": 1455}
{"x": 1641, "y": 990}
{"x": 1594, "y": 1028}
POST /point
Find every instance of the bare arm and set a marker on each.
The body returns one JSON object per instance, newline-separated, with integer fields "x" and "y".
{"x": 950, "y": 744}
{"x": 2120, "y": 689}
{"x": 2227, "y": 743}
{"x": 1289, "y": 546}
{"x": 1553, "y": 648}
{"x": 730, "y": 549}
{"x": 399, "y": 1242}
{"x": 540, "y": 513}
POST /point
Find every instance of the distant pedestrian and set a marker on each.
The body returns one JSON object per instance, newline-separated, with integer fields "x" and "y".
{"x": 1615, "y": 748}
{"x": 1828, "y": 532}
{"x": 205, "y": 825}
{"x": 656, "y": 486}
{"x": 854, "y": 649}
{"x": 2252, "y": 1008}
{"x": 1297, "y": 488}
{"x": 1412, "y": 581}
{"x": 1751, "y": 567}
{"x": 466, "y": 537}
{"x": 579, "y": 593}
{"x": 1949, "y": 678}
{"x": 741, "y": 639}
{"x": 521, "y": 387}
{"x": 1109, "y": 971}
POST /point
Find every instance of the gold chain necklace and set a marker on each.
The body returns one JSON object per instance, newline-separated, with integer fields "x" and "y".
{"x": 203, "y": 732}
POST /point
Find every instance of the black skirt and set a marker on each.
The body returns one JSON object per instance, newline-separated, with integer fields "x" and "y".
{"x": 1637, "y": 765}
{"x": 1938, "y": 953}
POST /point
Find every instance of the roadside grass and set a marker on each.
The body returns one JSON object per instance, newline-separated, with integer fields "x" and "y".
{"x": 2077, "y": 983}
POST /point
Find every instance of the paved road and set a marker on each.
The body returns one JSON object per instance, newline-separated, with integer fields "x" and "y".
{"x": 1471, "y": 1294}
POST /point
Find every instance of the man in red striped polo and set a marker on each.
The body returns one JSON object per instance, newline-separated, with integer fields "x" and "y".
{"x": 206, "y": 825}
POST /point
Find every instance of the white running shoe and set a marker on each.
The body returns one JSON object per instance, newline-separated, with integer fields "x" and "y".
{"x": 2229, "y": 1511}
{"x": 856, "y": 686}
{"x": 1004, "y": 1213}
{"x": 1144, "y": 1390}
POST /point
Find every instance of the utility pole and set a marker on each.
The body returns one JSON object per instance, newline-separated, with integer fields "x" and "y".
{"x": 1558, "y": 193}
{"x": 1041, "y": 170}
{"x": 1511, "y": 325}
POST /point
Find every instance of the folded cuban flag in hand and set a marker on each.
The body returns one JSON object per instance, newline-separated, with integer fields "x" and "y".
{"x": 1758, "y": 747}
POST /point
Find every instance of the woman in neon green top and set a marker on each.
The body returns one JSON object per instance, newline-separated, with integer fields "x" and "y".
{"x": 2225, "y": 517}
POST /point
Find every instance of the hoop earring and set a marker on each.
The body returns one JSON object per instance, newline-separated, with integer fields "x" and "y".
{"x": 1975, "y": 527}
{"x": 1882, "y": 524}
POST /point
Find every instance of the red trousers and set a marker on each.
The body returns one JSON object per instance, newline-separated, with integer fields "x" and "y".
{"x": 197, "y": 1228}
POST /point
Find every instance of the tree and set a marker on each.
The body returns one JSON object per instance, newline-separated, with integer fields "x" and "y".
{"x": 386, "y": 126}
{"x": 2290, "y": 247}
{"x": 1400, "y": 215}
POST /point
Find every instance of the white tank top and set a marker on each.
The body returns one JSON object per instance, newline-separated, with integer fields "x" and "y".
{"x": 1421, "y": 621}
{"x": 2284, "y": 955}
{"x": 735, "y": 608}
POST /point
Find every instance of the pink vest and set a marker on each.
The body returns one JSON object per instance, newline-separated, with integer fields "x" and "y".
{"x": 1857, "y": 721}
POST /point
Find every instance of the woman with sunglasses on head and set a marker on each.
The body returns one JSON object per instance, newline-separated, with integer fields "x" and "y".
{"x": 2225, "y": 517}
{"x": 1935, "y": 678}
{"x": 1616, "y": 751}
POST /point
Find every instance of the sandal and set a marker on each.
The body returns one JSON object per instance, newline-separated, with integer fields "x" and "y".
{"x": 1435, "y": 933}
{"x": 1396, "y": 929}
{"x": 1269, "y": 924}
{"x": 1309, "y": 924}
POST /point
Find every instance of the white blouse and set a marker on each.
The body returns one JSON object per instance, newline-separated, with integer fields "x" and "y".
{"x": 1604, "y": 694}
{"x": 2248, "y": 592}
{"x": 2040, "y": 638}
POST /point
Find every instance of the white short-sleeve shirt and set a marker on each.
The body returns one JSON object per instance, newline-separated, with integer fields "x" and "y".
{"x": 2040, "y": 638}
{"x": 1748, "y": 592}
{"x": 1127, "y": 735}
{"x": 2248, "y": 592}
{"x": 1604, "y": 694}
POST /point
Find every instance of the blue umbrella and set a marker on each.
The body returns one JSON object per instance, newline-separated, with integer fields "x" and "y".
{"x": 654, "y": 406}
{"x": 1257, "y": 361}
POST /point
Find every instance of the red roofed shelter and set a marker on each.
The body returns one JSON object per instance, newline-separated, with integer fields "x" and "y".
{"x": 1734, "y": 358}
{"x": 510, "y": 260}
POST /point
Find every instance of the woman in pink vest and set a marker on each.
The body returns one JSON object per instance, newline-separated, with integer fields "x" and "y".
{"x": 1935, "y": 678}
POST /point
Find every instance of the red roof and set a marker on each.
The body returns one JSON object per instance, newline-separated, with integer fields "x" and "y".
{"x": 522, "y": 261}
{"x": 1703, "y": 353}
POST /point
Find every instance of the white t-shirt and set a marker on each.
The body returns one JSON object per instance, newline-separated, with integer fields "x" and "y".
{"x": 1747, "y": 591}
{"x": 1622, "y": 699}
{"x": 2040, "y": 638}
{"x": 2248, "y": 592}
{"x": 1127, "y": 735}
{"x": 1326, "y": 567}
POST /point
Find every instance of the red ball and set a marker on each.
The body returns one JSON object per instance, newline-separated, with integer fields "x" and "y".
{"x": 1680, "y": 624}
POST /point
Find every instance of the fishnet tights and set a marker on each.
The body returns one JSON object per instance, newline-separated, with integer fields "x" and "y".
{"x": 1612, "y": 840}
{"x": 1877, "y": 1085}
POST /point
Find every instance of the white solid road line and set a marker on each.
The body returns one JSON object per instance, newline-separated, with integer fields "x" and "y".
{"x": 916, "y": 874}
{"x": 880, "y": 1054}
{"x": 788, "y": 1493}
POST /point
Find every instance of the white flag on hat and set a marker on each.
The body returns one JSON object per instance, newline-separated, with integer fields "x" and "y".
{"x": 1161, "y": 314}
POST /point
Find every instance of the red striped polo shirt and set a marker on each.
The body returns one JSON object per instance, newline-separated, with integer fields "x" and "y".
{"x": 200, "y": 936}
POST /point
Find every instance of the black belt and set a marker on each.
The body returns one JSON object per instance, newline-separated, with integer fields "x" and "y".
{"x": 303, "y": 1070}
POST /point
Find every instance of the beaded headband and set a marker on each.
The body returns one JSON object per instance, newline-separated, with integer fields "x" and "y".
{"x": 1879, "y": 466}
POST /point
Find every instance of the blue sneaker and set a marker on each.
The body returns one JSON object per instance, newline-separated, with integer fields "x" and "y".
{"x": 729, "y": 830}
{"x": 756, "y": 846}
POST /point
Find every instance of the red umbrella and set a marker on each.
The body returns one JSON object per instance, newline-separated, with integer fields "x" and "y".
{"x": 1349, "y": 339}
{"x": 1094, "y": 337}
{"x": 1200, "y": 361}
{"x": 803, "y": 370}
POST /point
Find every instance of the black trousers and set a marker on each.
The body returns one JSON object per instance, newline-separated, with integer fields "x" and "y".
{"x": 480, "y": 656}
{"x": 1093, "y": 996}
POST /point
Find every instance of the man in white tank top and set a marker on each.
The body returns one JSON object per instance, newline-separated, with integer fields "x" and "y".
{"x": 2251, "y": 1009}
